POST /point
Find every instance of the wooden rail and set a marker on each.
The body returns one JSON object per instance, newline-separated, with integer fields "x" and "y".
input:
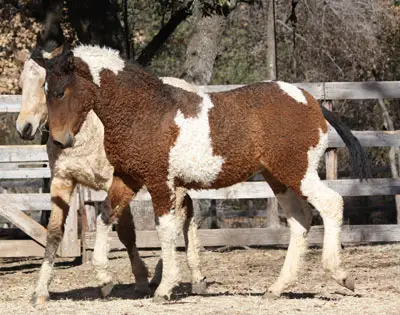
{"x": 351, "y": 234}
{"x": 30, "y": 161}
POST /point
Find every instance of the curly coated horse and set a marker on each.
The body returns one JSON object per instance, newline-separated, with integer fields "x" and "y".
{"x": 86, "y": 163}
{"x": 164, "y": 137}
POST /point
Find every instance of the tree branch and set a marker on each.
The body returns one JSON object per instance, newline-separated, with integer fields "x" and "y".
{"x": 151, "y": 49}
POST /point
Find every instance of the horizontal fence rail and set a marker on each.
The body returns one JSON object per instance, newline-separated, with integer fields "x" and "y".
{"x": 31, "y": 162}
{"x": 321, "y": 91}
{"x": 263, "y": 236}
{"x": 245, "y": 190}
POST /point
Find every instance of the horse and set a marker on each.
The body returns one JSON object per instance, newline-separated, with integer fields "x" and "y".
{"x": 164, "y": 137}
{"x": 70, "y": 166}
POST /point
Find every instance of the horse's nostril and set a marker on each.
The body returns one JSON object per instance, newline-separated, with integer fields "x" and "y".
{"x": 27, "y": 131}
{"x": 58, "y": 144}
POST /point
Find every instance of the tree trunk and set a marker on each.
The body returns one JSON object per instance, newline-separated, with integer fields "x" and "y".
{"x": 394, "y": 166}
{"x": 273, "y": 220}
{"x": 203, "y": 47}
{"x": 269, "y": 6}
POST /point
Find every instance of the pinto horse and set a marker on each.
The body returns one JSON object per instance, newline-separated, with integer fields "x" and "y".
{"x": 164, "y": 137}
{"x": 86, "y": 163}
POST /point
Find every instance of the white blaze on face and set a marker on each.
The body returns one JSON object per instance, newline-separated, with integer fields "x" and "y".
{"x": 293, "y": 91}
{"x": 33, "y": 107}
{"x": 98, "y": 58}
{"x": 191, "y": 158}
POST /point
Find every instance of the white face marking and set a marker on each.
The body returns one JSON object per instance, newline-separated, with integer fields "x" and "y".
{"x": 292, "y": 91}
{"x": 191, "y": 158}
{"x": 46, "y": 88}
{"x": 33, "y": 107}
{"x": 99, "y": 58}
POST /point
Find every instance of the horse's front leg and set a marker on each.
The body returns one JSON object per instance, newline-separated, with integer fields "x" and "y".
{"x": 186, "y": 222}
{"x": 61, "y": 190}
{"x": 163, "y": 199}
{"x": 116, "y": 209}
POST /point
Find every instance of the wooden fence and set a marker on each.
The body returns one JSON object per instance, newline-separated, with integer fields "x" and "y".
{"x": 30, "y": 161}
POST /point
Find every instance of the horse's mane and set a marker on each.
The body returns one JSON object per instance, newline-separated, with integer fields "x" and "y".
{"x": 99, "y": 58}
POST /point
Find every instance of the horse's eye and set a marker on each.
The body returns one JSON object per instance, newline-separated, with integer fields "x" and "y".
{"x": 59, "y": 95}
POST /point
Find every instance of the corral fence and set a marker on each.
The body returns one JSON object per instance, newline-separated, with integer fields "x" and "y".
{"x": 31, "y": 161}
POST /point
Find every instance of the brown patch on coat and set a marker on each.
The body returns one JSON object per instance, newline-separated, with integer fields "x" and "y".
{"x": 268, "y": 129}
{"x": 121, "y": 192}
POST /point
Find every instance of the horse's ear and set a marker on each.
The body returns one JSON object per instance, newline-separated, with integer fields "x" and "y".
{"x": 21, "y": 56}
{"x": 70, "y": 59}
{"x": 40, "y": 61}
{"x": 39, "y": 40}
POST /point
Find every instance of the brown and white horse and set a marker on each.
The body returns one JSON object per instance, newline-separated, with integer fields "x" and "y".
{"x": 164, "y": 137}
{"x": 86, "y": 163}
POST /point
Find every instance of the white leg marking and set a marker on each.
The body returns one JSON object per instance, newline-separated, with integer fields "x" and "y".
{"x": 101, "y": 248}
{"x": 193, "y": 252}
{"x": 44, "y": 279}
{"x": 167, "y": 233}
{"x": 299, "y": 217}
{"x": 330, "y": 205}
{"x": 293, "y": 91}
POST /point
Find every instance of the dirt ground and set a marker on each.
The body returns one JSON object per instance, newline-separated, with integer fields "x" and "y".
{"x": 236, "y": 279}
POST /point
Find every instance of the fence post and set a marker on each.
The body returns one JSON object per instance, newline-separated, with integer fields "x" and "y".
{"x": 88, "y": 213}
{"x": 70, "y": 244}
{"x": 331, "y": 154}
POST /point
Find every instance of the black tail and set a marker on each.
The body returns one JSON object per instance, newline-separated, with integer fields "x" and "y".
{"x": 360, "y": 164}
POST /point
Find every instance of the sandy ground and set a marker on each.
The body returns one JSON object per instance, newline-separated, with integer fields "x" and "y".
{"x": 236, "y": 279}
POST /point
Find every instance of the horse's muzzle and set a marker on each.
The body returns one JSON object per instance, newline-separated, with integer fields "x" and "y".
{"x": 26, "y": 132}
{"x": 68, "y": 141}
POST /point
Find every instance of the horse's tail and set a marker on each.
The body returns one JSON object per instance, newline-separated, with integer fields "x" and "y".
{"x": 360, "y": 164}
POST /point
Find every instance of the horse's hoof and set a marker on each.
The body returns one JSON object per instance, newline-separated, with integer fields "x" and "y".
{"x": 347, "y": 282}
{"x": 269, "y": 295}
{"x": 40, "y": 300}
{"x": 199, "y": 287}
{"x": 155, "y": 282}
{"x": 106, "y": 289}
{"x": 159, "y": 299}
{"x": 142, "y": 289}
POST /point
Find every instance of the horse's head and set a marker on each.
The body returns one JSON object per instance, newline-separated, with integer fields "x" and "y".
{"x": 33, "y": 108}
{"x": 33, "y": 112}
{"x": 69, "y": 95}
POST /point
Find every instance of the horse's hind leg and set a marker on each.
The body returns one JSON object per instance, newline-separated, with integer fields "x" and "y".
{"x": 61, "y": 191}
{"x": 330, "y": 205}
{"x": 298, "y": 214}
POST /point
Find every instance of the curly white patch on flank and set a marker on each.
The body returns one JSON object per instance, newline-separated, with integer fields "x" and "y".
{"x": 99, "y": 58}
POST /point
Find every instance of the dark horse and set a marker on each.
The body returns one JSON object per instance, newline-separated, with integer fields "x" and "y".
{"x": 164, "y": 137}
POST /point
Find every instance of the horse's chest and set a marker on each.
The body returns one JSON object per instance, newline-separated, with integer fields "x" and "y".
{"x": 191, "y": 158}
{"x": 92, "y": 170}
